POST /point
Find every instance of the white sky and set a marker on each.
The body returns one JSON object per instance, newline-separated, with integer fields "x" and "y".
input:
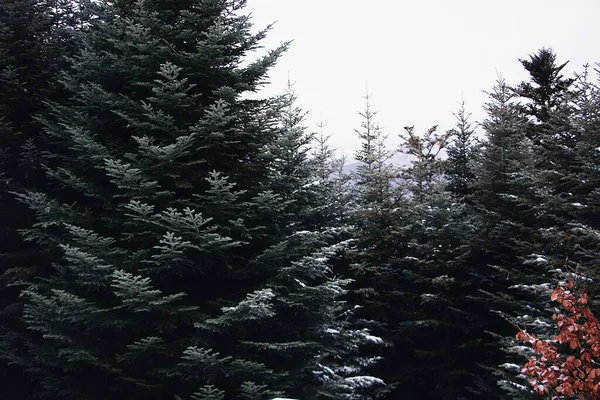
{"x": 419, "y": 57}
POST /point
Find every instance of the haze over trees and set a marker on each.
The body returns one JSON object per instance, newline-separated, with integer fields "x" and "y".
{"x": 164, "y": 236}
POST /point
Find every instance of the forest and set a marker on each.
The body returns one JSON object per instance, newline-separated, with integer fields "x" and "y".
{"x": 164, "y": 235}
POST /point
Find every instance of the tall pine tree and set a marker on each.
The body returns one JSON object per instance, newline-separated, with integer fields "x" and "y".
{"x": 317, "y": 339}
{"x": 462, "y": 153}
{"x": 545, "y": 91}
{"x": 512, "y": 270}
{"x": 160, "y": 168}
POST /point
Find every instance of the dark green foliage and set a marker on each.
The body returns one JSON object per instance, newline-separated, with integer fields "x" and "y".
{"x": 459, "y": 167}
{"x": 331, "y": 183}
{"x": 292, "y": 170}
{"x": 377, "y": 215}
{"x": 545, "y": 92}
{"x": 150, "y": 298}
{"x": 570, "y": 182}
{"x": 375, "y": 190}
{"x": 439, "y": 338}
{"x": 565, "y": 245}
{"x": 172, "y": 239}
{"x": 315, "y": 338}
{"x": 35, "y": 38}
{"x": 430, "y": 278}
{"x": 182, "y": 214}
{"x": 515, "y": 277}
{"x": 317, "y": 341}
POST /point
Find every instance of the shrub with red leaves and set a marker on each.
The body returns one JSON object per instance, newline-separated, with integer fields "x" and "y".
{"x": 576, "y": 374}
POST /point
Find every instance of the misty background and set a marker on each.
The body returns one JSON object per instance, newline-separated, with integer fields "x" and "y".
{"x": 419, "y": 58}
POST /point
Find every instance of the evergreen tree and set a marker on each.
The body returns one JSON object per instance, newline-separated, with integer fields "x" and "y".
{"x": 34, "y": 38}
{"x": 161, "y": 206}
{"x": 375, "y": 189}
{"x": 549, "y": 106}
{"x": 439, "y": 336}
{"x": 317, "y": 341}
{"x": 462, "y": 151}
{"x": 513, "y": 272}
{"x": 563, "y": 109}
{"x": 563, "y": 153}
{"x": 569, "y": 184}
{"x": 377, "y": 216}
{"x": 422, "y": 174}
{"x": 292, "y": 168}
{"x": 545, "y": 92}
{"x": 331, "y": 182}
{"x": 506, "y": 162}
{"x": 586, "y": 123}
{"x": 323, "y": 154}
{"x": 436, "y": 335}
{"x": 182, "y": 221}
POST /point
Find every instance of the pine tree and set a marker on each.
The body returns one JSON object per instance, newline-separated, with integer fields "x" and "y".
{"x": 549, "y": 108}
{"x": 315, "y": 335}
{"x": 182, "y": 219}
{"x": 513, "y": 272}
{"x": 436, "y": 337}
{"x": 421, "y": 174}
{"x": 567, "y": 126}
{"x": 375, "y": 189}
{"x": 568, "y": 182}
{"x": 462, "y": 153}
{"x": 439, "y": 336}
{"x": 377, "y": 215}
{"x": 160, "y": 167}
{"x": 584, "y": 202}
{"x": 545, "y": 92}
{"x": 34, "y": 37}
{"x": 506, "y": 166}
{"x": 560, "y": 120}
{"x": 320, "y": 344}
{"x": 292, "y": 167}
{"x": 331, "y": 182}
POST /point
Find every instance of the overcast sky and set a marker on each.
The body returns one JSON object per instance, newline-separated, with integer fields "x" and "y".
{"x": 419, "y": 57}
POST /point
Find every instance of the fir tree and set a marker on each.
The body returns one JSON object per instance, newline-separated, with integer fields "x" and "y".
{"x": 435, "y": 335}
{"x": 375, "y": 189}
{"x": 317, "y": 339}
{"x": 549, "y": 106}
{"x": 422, "y": 174}
{"x": 566, "y": 151}
{"x": 586, "y": 123}
{"x": 545, "y": 92}
{"x": 513, "y": 272}
{"x": 462, "y": 151}
{"x": 568, "y": 183}
{"x": 378, "y": 217}
{"x": 35, "y": 37}
{"x": 181, "y": 219}
{"x": 439, "y": 337}
{"x": 292, "y": 166}
{"x": 160, "y": 168}
{"x": 331, "y": 182}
